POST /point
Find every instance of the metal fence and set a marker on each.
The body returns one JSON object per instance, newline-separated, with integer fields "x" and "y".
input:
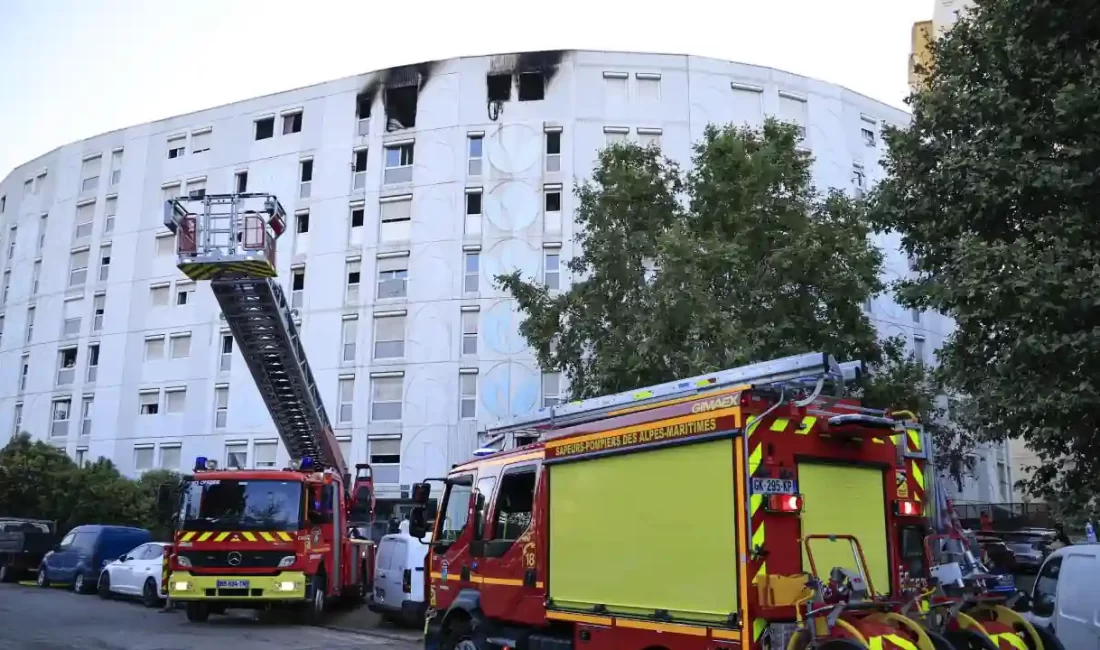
{"x": 1006, "y": 516}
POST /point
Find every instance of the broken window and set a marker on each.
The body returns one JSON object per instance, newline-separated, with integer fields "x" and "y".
{"x": 499, "y": 87}
{"x": 265, "y": 128}
{"x": 532, "y": 86}
{"x": 362, "y": 113}
{"x": 292, "y": 123}
{"x": 401, "y": 107}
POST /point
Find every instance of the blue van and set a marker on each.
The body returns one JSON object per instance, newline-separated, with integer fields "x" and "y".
{"x": 82, "y": 554}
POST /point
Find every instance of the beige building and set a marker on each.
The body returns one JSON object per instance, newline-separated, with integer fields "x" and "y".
{"x": 944, "y": 14}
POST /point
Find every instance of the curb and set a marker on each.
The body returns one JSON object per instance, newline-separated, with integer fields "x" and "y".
{"x": 381, "y": 634}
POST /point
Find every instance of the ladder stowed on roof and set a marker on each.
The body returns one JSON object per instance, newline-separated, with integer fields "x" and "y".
{"x": 802, "y": 372}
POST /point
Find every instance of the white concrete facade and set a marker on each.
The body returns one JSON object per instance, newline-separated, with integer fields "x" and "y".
{"x": 142, "y": 335}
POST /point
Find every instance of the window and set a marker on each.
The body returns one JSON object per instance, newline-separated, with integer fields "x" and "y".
{"x": 400, "y": 99}
{"x": 236, "y": 455}
{"x": 393, "y": 278}
{"x": 356, "y": 219}
{"x": 89, "y": 174}
{"x": 171, "y": 191}
{"x": 553, "y": 151}
{"x": 30, "y": 323}
{"x": 93, "y": 362}
{"x": 386, "y": 398}
{"x": 793, "y": 109}
{"x": 551, "y": 389}
{"x": 916, "y": 315}
{"x": 200, "y": 140}
{"x": 184, "y": 292}
{"x": 25, "y": 371}
{"x": 175, "y": 400}
{"x": 17, "y": 419}
{"x": 11, "y": 242}
{"x": 70, "y": 319}
{"x": 110, "y": 208}
{"x": 498, "y": 87}
{"x": 301, "y": 222}
{"x": 149, "y": 402}
{"x": 467, "y": 386}
{"x": 385, "y": 459}
{"x": 177, "y": 146}
{"x": 170, "y": 457}
{"x": 195, "y": 187}
{"x": 7, "y": 287}
{"x": 552, "y": 199}
{"x": 305, "y": 176}
{"x": 1046, "y": 589}
{"x": 615, "y": 135}
{"x": 532, "y": 86}
{"x": 265, "y": 454}
{"x": 859, "y": 181}
{"x": 225, "y": 360}
{"x": 616, "y": 89}
{"x": 349, "y": 335}
{"x": 474, "y": 145}
{"x": 104, "y": 262}
{"x": 551, "y": 274}
{"x": 362, "y": 114}
{"x": 78, "y": 268}
{"x": 347, "y": 399}
{"x": 456, "y": 509}
{"x": 297, "y": 287}
{"x": 241, "y": 181}
{"x": 221, "y": 406}
{"x": 918, "y": 348}
{"x": 473, "y": 203}
{"x": 292, "y": 123}
{"x": 180, "y": 346}
{"x": 469, "y": 332}
{"x": 86, "y": 415}
{"x": 649, "y": 86}
{"x": 154, "y": 348}
{"x": 81, "y": 458}
{"x": 62, "y": 408}
{"x": 399, "y": 164}
{"x": 389, "y": 337}
{"x": 472, "y": 272}
{"x": 868, "y": 137}
{"x": 395, "y": 218}
{"x": 344, "y": 443}
{"x": 265, "y": 128}
{"x": 351, "y": 295}
{"x": 99, "y": 303}
{"x": 43, "y": 221}
{"x": 85, "y": 214}
{"x": 3, "y": 203}
{"x": 116, "y": 167}
{"x": 514, "y": 503}
{"x": 1, "y": 327}
{"x": 36, "y": 276}
{"x": 66, "y": 366}
{"x": 166, "y": 244}
{"x": 359, "y": 170}
{"x": 649, "y": 137}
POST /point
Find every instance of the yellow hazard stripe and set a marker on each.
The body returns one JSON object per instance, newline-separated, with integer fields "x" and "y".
{"x": 249, "y": 536}
{"x": 780, "y": 424}
{"x": 221, "y": 537}
{"x": 918, "y": 474}
{"x": 267, "y": 537}
{"x": 756, "y": 456}
{"x": 808, "y": 423}
{"x": 914, "y": 438}
{"x": 284, "y": 536}
{"x": 899, "y": 642}
{"x": 186, "y": 537}
{"x": 1009, "y": 637}
{"x": 758, "y": 627}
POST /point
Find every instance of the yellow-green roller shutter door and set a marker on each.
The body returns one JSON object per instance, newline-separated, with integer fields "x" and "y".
{"x": 845, "y": 500}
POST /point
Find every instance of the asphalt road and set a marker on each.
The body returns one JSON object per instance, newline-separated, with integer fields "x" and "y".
{"x": 52, "y": 619}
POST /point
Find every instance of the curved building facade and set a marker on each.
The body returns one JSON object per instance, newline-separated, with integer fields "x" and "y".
{"x": 410, "y": 188}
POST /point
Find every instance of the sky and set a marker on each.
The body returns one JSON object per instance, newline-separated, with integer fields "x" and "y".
{"x": 71, "y": 69}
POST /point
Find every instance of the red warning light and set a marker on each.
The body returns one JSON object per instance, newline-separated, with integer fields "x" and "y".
{"x": 907, "y": 508}
{"x": 784, "y": 503}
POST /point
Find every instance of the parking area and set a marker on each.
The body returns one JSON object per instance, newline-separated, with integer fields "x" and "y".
{"x": 55, "y": 619}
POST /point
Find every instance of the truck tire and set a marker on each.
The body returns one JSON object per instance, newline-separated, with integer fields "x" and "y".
{"x": 7, "y": 574}
{"x": 197, "y": 612}
{"x": 318, "y": 600}
{"x": 969, "y": 640}
{"x": 841, "y": 644}
{"x": 1050, "y": 642}
{"x": 459, "y": 635}
{"x": 939, "y": 641}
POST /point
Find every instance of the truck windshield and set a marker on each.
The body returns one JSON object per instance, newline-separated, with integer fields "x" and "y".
{"x": 242, "y": 505}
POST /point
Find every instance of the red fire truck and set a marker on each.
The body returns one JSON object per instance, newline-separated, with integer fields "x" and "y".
{"x": 671, "y": 517}
{"x": 259, "y": 538}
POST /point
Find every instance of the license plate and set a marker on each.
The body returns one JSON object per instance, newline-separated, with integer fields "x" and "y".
{"x": 774, "y": 486}
{"x": 232, "y": 584}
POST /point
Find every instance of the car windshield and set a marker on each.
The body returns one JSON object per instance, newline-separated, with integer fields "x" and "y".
{"x": 225, "y": 504}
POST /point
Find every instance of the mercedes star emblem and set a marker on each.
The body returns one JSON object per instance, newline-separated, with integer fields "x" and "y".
{"x": 234, "y": 558}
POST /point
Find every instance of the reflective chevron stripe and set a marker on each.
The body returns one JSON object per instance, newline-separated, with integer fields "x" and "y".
{"x": 211, "y": 270}
{"x": 271, "y": 537}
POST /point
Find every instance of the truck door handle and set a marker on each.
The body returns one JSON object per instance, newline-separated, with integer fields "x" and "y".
{"x": 529, "y": 578}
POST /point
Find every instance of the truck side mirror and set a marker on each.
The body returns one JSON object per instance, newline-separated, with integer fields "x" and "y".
{"x": 164, "y": 498}
{"x": 421, "y": 492}
{"x": 418, "y": 526}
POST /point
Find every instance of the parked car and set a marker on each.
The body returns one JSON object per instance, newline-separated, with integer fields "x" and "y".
{"x": 23, "y": 544}
{"x": 399, "y": 578}
{"x": 1063, "y": 600}
{"x": 136, "y": 573}
{"x": 1028, "y": 554}
{"x": 80, "y": 556}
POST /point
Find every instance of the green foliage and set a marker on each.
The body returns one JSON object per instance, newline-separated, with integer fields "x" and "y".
{"x": 40, "y": 481}
{"x": 993, "y": 189}
{"x": 739, "y": 260}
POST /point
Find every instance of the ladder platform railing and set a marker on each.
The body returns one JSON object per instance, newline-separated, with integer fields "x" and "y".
{"x": 802, "y": 372}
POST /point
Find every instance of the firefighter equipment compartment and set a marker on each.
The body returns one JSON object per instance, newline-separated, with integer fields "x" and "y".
{"x": 830, "y": 496}
{"x": 614, "y": 522}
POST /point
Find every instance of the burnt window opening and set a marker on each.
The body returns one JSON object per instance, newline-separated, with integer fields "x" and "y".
{"x": 473, "y": 203}
{"x": 357, "y": 218}
{"x": 532, "y": 86}
{"x": 361, "y": 161}
{"x": 401, "y": 108}
{"x": 265, "y": 128}
{"x": 307, "y": 171}
{"x": 302, "y": 222}
{"x": 362, "y": 106}
{"x": 242, "y": 182}
{"x": 292, "y": 123}
{"x": 499, "y": 87}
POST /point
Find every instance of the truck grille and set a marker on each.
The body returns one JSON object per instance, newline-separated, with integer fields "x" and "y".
{"x": 220, "y": 559}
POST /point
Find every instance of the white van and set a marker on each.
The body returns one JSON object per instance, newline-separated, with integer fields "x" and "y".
{"x": 399, "y": 577}
{"x": 1064, "y": 599}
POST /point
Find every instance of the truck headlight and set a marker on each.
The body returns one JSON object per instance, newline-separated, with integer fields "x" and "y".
{"x": 181, "y": 586}
{"x": 287, "y": 561}
{"x": 183, "y": 561}
{"x": 285, "y": 586}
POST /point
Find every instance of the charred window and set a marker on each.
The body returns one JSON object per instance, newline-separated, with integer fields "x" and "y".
{"x": 362, "y": 106}
{"x": 532, "y": 86}
{"x": 515, "y": 503}
{"x": 499, "y": 87}
{"x": 401, "y": 108}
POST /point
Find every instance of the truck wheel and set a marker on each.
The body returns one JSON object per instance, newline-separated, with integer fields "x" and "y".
{"x": 7, "y": 574}
{"x": 969, "y": 640}
{"x": 840, "y": 644}
{"x": 460, "y": 636}
{"x": 318, "y": 600}
{"x": 197, "y": 612}
{"x": 939, "y": 641}
{"x": 1050, "y": 642}
{"x": 104, "y": 586}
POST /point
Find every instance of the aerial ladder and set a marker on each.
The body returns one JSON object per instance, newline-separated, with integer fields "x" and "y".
{"x": 230, "y": 240}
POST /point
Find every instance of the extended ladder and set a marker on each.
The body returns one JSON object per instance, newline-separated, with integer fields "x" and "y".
{"x": 798, "y": 373}
{"x": 231, "y": 242}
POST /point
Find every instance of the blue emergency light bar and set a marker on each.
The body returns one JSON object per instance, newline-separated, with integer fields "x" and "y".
{"x": 202, "y": 462}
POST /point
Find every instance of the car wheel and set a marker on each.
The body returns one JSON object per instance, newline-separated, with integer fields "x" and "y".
{"x": 149, "y": 595}
{"x": 42, "y": 580}
{"x": 197, "y": 612}
{"x": 103, "y": 588}
{"x": 78, "y": 583}
{"x": 6, "y": 573}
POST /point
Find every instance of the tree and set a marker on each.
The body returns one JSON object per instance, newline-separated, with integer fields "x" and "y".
{"x": 993, "y": 189}
{"x": 739, "y": 260}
